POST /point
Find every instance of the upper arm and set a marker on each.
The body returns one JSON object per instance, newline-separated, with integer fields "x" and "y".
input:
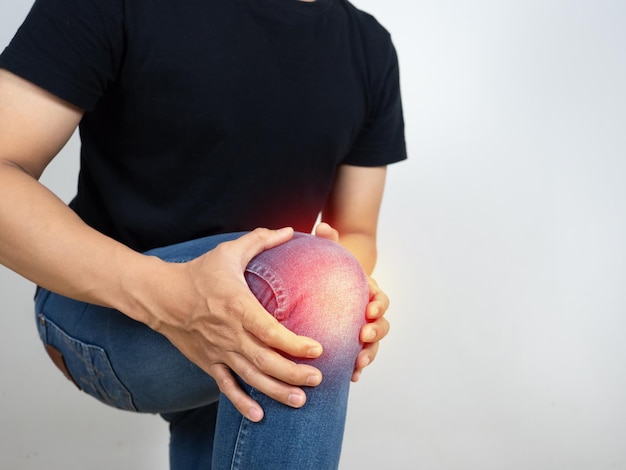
{"x": 354, "y": 202}
{"x": 34, "y": 124}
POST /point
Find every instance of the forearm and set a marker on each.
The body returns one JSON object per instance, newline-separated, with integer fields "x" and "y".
{"x": 363, "y": 247}
{"x": 352, "y": 209}
{"x": 46, "y": 242}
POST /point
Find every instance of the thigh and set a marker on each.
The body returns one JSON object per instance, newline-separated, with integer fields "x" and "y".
{"x": 119, "y": 361}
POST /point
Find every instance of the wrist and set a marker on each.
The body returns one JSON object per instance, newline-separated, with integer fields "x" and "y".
{"x": 147, "y": 290}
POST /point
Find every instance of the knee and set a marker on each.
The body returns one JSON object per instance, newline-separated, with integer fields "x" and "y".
{"x": 315, "y": 288}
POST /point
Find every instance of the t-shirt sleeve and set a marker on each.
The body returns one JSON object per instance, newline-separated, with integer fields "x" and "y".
{"x": 71, "y": 48}
{"x": 381, "y": 141}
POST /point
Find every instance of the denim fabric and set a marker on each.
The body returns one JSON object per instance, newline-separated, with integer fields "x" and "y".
{"x": 311, "y": 285}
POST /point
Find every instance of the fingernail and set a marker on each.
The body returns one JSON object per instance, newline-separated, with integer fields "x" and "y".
{"x": 256, "y": 414}
{"x": 371, "y": 335}
{"x": 313, "y": 380}
{"x": 296, "y": 399}
{"x": 375, "y": 313}
{"x": 315, "y": 351}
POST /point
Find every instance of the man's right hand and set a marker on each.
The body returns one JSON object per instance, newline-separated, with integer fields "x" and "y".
{"x": 223, "y": 328}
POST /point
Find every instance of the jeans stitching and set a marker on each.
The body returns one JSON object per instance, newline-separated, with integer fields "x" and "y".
{"x": 273, "y": 281}
{"x": 88, "y": 354}
{"x": 240, "y": 442}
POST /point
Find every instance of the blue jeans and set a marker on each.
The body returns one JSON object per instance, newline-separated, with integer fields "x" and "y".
{"x": 311, "y": 285}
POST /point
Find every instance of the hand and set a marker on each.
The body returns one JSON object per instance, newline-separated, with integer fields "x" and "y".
{"x": 374, "y": 330}
{"x": 225, "y": 330}
{"x": 377, "y": 325}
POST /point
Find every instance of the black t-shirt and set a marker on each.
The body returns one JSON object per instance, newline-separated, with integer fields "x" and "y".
{"x": 211, "y": 116}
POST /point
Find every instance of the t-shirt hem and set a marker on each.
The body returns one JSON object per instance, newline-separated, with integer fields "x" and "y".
{"x": 371, "y": 158}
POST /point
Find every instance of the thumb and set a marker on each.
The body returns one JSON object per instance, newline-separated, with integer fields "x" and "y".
{"x": 251, "y": 244}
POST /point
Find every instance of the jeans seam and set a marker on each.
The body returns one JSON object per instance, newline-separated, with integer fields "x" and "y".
{"x": 86, "y": 354}
{"x": 274, "y": 283}
{"x": 240, "y": 442}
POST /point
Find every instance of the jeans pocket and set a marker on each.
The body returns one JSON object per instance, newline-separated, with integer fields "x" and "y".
{"x": 87, "y": 365}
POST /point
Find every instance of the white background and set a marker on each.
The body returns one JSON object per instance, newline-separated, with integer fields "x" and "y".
{"x": 502, "y": 247}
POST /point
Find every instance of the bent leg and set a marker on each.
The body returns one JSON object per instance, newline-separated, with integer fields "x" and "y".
{"x": 120, "y": 361}
{"x": 127, "y": 365}
{"x": 312, "y": 286}
{"x": 315, "y": 288}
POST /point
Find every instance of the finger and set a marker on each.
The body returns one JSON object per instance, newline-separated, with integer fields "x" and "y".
{"x": 365, "y": 357}
{"x": 376, "y": 293}
{"x": 379, "y": 301}
{"x": 375, "y": 309}
{"x": 282, "y": 392}
{"x": 263, "y": 326}
{"x": 265, "y": 360}
{"x": 251, "y": 244}
{"x": 324, "y": 230}
{"x": 375, "y": 331}
{"x": 232, "y": 390}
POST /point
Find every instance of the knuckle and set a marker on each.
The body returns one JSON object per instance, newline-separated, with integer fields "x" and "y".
{"x": 262, "y": 360}
{"x": 233, "y": 306}
{"x": 226, "y": 383}
{"x": 223, "y": 338}
{"x": 222, "y": 248}
{"x": 247, "y": 373}
{"x": 258, "y": 234}
{"x": 267, "y": 332}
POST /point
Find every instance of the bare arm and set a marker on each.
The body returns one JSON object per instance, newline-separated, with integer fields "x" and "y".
{"x": 351, "y": 213}
{"x": 352, "y": 209}
{"x": 46, "y": 242}
{"x": 40, "y": 237}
